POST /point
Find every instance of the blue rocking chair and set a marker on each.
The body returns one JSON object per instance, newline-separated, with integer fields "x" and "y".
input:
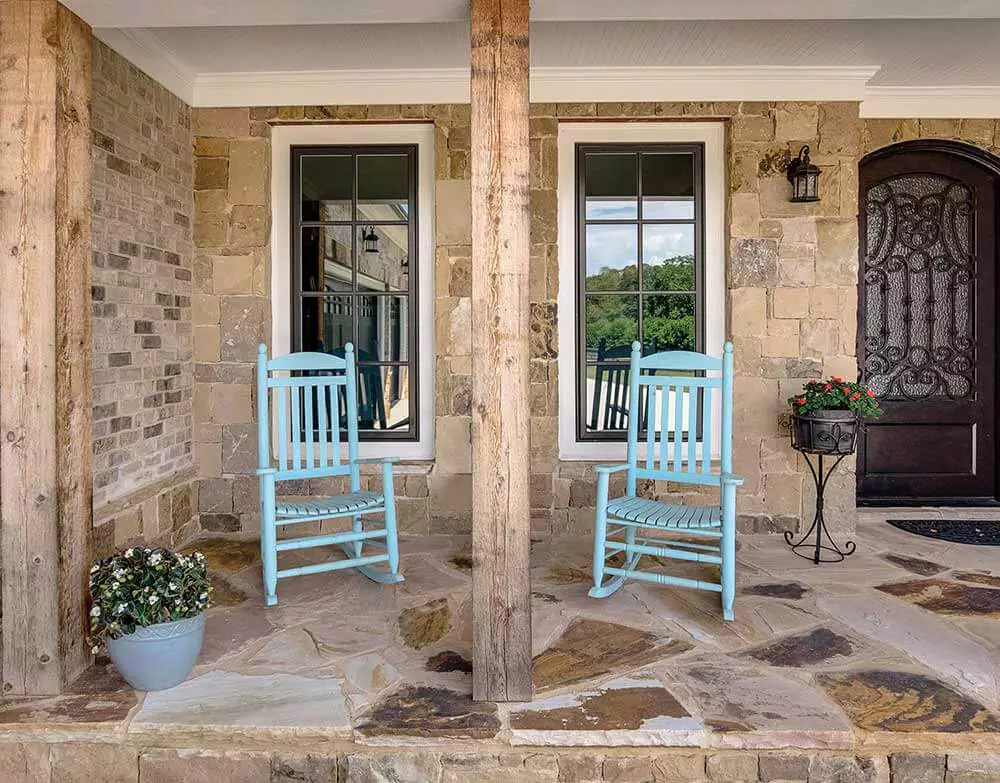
{"x": 309, "y": 394}
{"x": 684, "y": 409}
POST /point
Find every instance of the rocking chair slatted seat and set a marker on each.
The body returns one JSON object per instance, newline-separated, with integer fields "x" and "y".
{"x": 678, "y": 447}
{"x": 303, "y": 394}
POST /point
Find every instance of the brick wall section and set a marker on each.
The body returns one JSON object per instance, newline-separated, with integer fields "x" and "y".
{"x": 143, "y": 253}
{"x": 792, "y": 292}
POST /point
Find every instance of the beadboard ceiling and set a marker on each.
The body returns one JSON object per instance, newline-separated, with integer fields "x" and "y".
{"x": 910, "y": 52}
{"x": 196, "y": 13}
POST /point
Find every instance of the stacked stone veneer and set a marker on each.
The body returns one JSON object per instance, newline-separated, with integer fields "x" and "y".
{"x": 143, "y": 214}
{"x": 792, "y": 299}
{"x": 122, "y": 763}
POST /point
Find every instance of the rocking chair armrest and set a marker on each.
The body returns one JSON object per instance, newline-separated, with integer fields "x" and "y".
{"x": 730, "y": 478}
{"x": 609, "y": 469}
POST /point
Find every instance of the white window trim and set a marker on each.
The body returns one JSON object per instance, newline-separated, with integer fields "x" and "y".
{"x": 712, "y": 135}
{"x": 283, "y": 137}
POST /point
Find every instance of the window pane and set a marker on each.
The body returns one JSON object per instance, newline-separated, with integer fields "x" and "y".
{"x": 611, "y": 257}
{"x": 326, "y": 323}
{"x": 327, "y": 182}
{"x": 382, "y": 328}
{"x": 326, "y": 258}
{"x": 668, "y": 257}
{"x": 668, "y": 322}
{"x": 667, "y": 186}
{"x": 386, "y": 266}
{"x": 612, "y": 325}
{"x": 384, "y": 398}
{"x": 383, "y": 187}
{"x": 610, "y": 186}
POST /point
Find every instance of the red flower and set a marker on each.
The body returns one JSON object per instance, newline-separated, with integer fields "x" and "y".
{"x": 856, "y": 395}
{"x": 827, "y": 387}
{"x": 801, "y": 401}
{"x": 871, "y": 393}
{"x": 846, "y": 390}
{"x": 836, "y": 378}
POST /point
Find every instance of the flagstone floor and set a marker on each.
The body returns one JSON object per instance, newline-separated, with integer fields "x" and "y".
{"x": 898, "y": 646}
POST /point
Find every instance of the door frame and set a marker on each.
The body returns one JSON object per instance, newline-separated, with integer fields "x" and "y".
{"x": 991, "y": 162}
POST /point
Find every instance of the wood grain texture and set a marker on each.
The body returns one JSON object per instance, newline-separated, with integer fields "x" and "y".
{"x": 37, "y": 236}
{"x": 500, "y": 354}
{"x": 74, "y": 392}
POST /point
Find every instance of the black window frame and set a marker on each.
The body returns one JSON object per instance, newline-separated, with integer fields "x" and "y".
{"x": 357, "y": 224}
{"x": 697, "y": 150}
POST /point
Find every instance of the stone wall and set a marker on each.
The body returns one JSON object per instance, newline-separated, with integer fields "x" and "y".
{"x": 791, "y": 278}
{"x": 143, "y": 173}
{"x": 232, "y": 313}
{"x": 25, "y": 762}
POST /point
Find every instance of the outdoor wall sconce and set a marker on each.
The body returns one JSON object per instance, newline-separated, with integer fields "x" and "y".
{"x": 370, "y": 239}
{"x": 804, "y": 177}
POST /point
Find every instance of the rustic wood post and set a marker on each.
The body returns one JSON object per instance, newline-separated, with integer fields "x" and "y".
{"x": 501, "y": 588}
{"x": 45, "y": 343}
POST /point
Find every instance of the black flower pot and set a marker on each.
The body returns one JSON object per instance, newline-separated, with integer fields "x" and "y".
{"x": 825, "y": 432}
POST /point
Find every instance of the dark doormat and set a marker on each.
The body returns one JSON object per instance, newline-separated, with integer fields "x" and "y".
{"x": 981, "y": 532}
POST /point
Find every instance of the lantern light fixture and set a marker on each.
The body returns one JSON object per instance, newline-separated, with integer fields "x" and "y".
{"x": 804, "y": 176}
{"x": 370, "y": 239}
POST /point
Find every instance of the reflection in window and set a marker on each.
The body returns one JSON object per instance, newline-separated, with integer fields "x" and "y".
{"x": 641, "y": 204}
{"x": 354, "y": 243}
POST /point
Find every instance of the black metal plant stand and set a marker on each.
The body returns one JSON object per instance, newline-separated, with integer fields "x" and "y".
{"x": 816, "y": 550}
{"x": 822, "y": 438}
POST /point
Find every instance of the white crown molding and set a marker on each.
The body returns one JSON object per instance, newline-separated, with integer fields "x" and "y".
{"x": 931, "y": 102}
{"x": 342, "y": 87}
{"x": 145, "y": 51}
{"x": 723, "y": 83}
{"x": 451, "y": 85}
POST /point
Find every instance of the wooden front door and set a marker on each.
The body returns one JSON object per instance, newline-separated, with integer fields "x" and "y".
{"x": 927, "y": 324}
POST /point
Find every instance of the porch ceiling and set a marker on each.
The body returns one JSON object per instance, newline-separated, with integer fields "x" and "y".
{"x": 191, "y": 13}
{"x": 897, "y": 67}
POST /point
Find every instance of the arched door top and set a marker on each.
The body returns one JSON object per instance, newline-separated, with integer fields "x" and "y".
{"x": 958, "y": 149}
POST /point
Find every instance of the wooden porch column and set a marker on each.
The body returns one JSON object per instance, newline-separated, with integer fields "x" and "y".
{"x": 501, "y": 588}
{"x": 45, "y": 343}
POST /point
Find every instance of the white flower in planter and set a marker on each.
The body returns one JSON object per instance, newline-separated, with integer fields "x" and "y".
{"x": 95, "y": 611}
{"x": 153, "y": 599}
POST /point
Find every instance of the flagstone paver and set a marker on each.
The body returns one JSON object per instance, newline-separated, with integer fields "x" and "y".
{"x": 915, "y": 565}
{"x": 228, "y": 700}
{"x": 818, "y": 646}
{"x": 630, "y": 711}
{"x": 589, "y": 649}
{"x": 904, "y": 701}
{"x": 757, "y": 707}
{"x": 946, "y": 597}
{"x": 421, "y": 711}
